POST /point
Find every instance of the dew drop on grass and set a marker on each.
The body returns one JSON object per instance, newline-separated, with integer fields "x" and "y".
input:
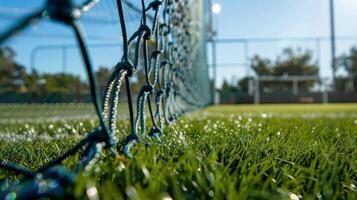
{"x": 145, "y": 172}
{"x": 319, "y": 196}
{"x": 131, "y": 192}
{"x": 92, "y": 193}
{"x": 121, "y": 166}
{"x": 211, "y": 193}
{"x": 87, "y": 168}
{"x": 211, "y": 178}
{"x": 167, "y": 198}
{"x": 294, "y": 196}
{"x": 184, "y": 188}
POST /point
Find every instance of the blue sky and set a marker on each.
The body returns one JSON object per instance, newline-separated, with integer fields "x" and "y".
{"x": 238, "y": 19}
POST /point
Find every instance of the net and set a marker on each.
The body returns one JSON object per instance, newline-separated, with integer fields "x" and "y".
{"x": 168, "y": 49}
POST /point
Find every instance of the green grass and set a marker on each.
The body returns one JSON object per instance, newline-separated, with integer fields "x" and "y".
{"x": 232, "y": 152}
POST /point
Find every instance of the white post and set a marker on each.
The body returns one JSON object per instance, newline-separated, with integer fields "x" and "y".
{"x": 251, "y": 86}
{"x": 216, "y": 97}
{"x": 325, "y": 92}
{"x": 295, "y": 87}
{"x": 350, "y": 87}
{"x": 256, "y": 91}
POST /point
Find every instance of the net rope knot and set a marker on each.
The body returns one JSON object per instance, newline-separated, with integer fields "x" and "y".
{"x": 147, "y": 31}
{"x": 155, "y": 5}
{"x": 127, "y": 66}
{"x": 148, "y": 88}
{"x": 62, "y": 10}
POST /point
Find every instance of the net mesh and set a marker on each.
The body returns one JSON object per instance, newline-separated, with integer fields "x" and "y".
{"x": 167, "y": 49}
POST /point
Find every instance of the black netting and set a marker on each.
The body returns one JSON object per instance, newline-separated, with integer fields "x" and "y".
{"x": 167, "y": 49}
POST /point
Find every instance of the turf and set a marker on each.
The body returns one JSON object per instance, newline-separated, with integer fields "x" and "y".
{"x": 222, "y": 152}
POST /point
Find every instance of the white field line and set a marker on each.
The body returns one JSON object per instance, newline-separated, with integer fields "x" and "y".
{"x": 277, "y": 115}
{"x": 30, "y": 137}
{"x": 53, "y": 119}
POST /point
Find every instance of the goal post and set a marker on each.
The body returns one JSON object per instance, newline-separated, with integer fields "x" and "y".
{"x": 258, "y": 82}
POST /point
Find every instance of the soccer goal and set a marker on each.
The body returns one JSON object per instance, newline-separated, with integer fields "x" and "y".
{"x": 302, "y": 89}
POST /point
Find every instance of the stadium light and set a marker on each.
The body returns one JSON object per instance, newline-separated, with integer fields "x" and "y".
{"x": 216, "y": 8}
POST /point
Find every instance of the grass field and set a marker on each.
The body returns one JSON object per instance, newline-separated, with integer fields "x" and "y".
{"x": 222, "y": 152}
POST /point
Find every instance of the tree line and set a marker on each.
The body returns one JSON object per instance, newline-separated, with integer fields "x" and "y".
{"x": 14, "y": 78}
{"x": 16, "y": 82}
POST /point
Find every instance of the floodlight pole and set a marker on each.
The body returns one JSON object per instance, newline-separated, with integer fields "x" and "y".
{"x": 333, "y": 44}
{"x": 212, "y": 38}
{"x": 257, "y": 90}
{"x": 214, "y": 63}
{"x": 210, "y": 20}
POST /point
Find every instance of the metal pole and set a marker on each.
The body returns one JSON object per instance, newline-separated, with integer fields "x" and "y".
{"x": 318, "y": 52}
{"x": 213, "y": 35}
{"x": 246, "y": 55}
{"x": 325, "y": 92}
{"x": 257, "y": 91}
{"x": 210, "y": 19}
{"x": 33, "y": 58}
{"x": 333, "y": 44}
{"x": 214, "y": 63}
{"x": 295, "y": 87}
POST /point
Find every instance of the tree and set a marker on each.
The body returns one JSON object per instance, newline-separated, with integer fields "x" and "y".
{"x": 261, "y": 66}
{"x": 243, "y": 84}
{"x": 349, "y": 64}
{"x": 226, "y": 87}
{"x": 295, "y": 63}
{"x": 13, "y": 75}
{"x": 32, "y": 82}
{"x": 59, "y": 83}
{"x": 102, "y": 75}
{"x": 290, "y": 63}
